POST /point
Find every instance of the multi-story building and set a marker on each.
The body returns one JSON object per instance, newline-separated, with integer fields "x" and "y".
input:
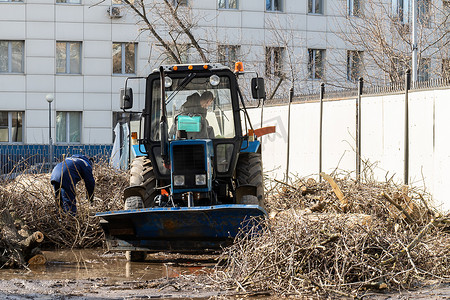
{"x": 81, "y": 51}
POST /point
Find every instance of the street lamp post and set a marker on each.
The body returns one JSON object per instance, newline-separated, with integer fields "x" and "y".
{"x": 50, "y": 98}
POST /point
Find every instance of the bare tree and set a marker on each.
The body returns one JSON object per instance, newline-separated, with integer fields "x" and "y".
{"x": 382, "y": 30}
{"x": 284, "y": 59}
{"x": 171, "y": 24}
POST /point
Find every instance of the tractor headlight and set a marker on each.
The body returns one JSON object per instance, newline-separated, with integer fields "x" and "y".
{"x": 178, "y": 180}
{"x": 200, "y": 179}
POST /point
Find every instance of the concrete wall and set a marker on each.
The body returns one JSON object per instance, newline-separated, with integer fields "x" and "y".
{"x": 382, "y": 139}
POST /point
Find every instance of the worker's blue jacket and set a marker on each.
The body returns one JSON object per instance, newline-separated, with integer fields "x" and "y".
{"x": 70, "y": 171}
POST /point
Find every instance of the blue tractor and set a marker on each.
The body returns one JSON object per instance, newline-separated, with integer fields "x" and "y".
{"x": 197, "y": 175}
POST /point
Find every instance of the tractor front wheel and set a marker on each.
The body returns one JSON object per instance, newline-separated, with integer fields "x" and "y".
{"x": 249, "y": 173}
{"x": 142, "y": 174}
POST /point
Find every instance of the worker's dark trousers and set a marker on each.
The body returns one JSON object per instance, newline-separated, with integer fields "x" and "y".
{"x": 66, "y": 198}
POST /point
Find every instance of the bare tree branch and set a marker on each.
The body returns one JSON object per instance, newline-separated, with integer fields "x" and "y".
{"x": 149, "y": 26}
{"x": 186, "y": 30}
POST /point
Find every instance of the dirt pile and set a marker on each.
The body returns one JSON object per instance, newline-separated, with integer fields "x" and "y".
{"x": 30, "y": 199}
{"x": 339, "y": 237}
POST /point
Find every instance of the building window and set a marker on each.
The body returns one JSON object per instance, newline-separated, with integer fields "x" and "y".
{"x": 124, "y": 58}
{"x": 69, "y": 1}
{"x": 315, "y": 6}
{"x": 399, "y": 65}
{"x": 273, "y": 5}
{"x": 401, "y": 10}
{"x": 11, "y": 0}
{"x": 354, "y": 65}
{"x": 446, "y": 68}
{"x": 354, "y": 8}
{"x": 11, "y": 129}
{"x": 274, "y": 61}
{"x": 11, "y": 56}
{"x": 423, "y": 73}
{"x": 424, "y": 12}
{"x": 316, "y": 63}
{"x": 182, "y": 51}
{"x": 228, "y": 4}
{"x": 177, "y": 3}
{"x": 68, "y": 57}
{"x": 68, "y": 126}
{"x": 228, "y": 55}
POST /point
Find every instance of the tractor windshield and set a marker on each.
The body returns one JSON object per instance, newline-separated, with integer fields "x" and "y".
{"x": 200, "y": 109}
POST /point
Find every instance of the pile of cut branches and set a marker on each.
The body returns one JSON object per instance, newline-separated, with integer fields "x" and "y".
{"x": 339, "y": 237}
{"x": 30, "y": 198}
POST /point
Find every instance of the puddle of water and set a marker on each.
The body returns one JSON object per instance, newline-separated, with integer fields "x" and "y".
{"x": 88, "y": 264}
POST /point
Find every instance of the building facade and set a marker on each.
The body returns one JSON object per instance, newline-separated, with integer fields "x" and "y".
{"x": 81, "y": 51}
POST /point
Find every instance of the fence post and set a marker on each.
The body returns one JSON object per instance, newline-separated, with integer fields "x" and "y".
{"x": 406, "y": 153}
{"x": 322, "y": 93}
{"x": 358, "y": 129}
{"x": 291, "y": 96}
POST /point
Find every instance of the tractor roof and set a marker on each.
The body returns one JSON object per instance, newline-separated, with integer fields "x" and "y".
{"x": 193, "y": 67}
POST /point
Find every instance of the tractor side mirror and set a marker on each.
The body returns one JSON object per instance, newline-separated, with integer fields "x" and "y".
{"x": 258, "y": 91}
{"x": 126, "y": 98}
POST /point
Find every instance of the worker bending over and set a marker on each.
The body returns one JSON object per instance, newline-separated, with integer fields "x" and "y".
{"x": 65, "y": 177}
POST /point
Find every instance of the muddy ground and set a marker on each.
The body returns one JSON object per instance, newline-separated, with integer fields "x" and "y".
{"x": 102, "y": 288}
{"x": 94, "y": 274}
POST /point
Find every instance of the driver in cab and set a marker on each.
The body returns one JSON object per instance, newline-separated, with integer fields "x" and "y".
{"x": 197, "y": 105}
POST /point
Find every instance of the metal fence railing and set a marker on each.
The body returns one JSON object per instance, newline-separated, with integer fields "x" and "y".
{"x": 336, "y": 94}
{"x": 15, "y": 158}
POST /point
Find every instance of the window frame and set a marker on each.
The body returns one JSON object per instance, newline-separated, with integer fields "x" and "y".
{"x": 178, "y": 3}
{"x": 445, "y": 68}
{"x": 312, "y": 64}
{"x": 401, "y": 10}
{"x": 10, "y": 127}
{"x": 399, "y": 66}
{"x": 67, "y": 127}
{"x": 274, "y": 58}
{"x": 312, "y": 7}
{"x": 423, "y": 70}
{"x": 11, "y": 1}
{"x": 67, "y": 67}
{"x": 70, "y": 3}
{"x": 424, "y": 13}
{"x": 224, "y": 56}
{"x": 10, "y": 57}
{"x": 123, "y": 46}
{"x": 353, "y": 10}
{"x": 272, "y": 6}
{"x": 351, "y": 65}
{"x": 227, "y": 4}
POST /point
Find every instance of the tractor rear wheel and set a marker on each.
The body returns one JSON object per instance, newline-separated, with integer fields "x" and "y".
{"x": 142, "y": 174}
{"x": 249, "y": 172}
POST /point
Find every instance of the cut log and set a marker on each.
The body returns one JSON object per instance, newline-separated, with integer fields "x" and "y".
{"x": 31, "y": 241}
{"x": 336, "y": 190}
{"x": 38, "y": 259}
{"x": 15, "y": 251}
